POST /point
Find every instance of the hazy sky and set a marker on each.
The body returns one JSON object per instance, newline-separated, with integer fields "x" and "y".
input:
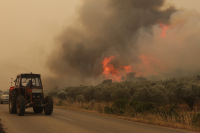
{"x": 28, "y": 30}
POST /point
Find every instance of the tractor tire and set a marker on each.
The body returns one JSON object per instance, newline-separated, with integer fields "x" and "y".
{"x": 38, "y": 109}
{"x": 20, "y": 105}
{"x": 12, "y": 102}
{"x": 48, "y": 109}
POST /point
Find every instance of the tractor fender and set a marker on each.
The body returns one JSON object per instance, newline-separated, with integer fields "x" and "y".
{"x": 11, "y": 88}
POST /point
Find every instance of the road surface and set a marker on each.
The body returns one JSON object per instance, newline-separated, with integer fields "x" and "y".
{"x": 68, "y": 121}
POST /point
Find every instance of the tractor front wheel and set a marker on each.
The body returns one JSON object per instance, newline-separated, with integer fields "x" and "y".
{"x": 20, "y": 105}
{"x": 38, "y": 109}
{"x": 48, "y": 109}
{"x": 12, "y": 102}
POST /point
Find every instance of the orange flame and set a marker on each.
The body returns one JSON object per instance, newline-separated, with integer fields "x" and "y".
{"x": 128, "y": 69}
{"x": 164, "y": 28}
{"x": 150, "y": 65}
{"x": 112, "y": 73}
{"x": 109, "y": 70}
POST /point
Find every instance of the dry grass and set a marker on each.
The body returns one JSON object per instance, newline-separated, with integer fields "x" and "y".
{"x": 185, "y": 121}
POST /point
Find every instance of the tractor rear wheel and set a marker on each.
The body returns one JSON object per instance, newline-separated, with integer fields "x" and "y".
{"x": 48, "y": 109}
{"x": 20, "y": 105}
{"x": 38, "y": 109}
{"x": 12, "y": 102}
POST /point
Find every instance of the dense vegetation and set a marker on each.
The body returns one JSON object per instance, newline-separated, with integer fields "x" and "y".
{"x": 153, "y": 100}
{"x": 160, "y": 93}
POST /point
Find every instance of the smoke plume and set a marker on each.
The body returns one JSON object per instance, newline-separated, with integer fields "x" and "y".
{"x": 130, "y": 31}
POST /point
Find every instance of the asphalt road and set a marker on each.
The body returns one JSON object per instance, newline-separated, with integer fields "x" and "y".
{"x": 68, "y": 121}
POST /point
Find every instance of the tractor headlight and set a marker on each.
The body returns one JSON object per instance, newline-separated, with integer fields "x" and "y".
{"x": 38, "y": 96}
{"x": 33, "y": 96}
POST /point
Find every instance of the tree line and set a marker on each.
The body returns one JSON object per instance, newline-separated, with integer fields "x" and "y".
{"x": 162, "y": 92}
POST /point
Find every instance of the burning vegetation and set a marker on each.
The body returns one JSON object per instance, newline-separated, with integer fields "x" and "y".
{"x": 112, "y": 73}
{"x": 164, "y": 28}
{"x": 108, "y": 31}
{"x": 113, "y": 39}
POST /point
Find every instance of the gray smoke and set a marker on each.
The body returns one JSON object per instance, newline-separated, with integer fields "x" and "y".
{"x": 103, "y": 28}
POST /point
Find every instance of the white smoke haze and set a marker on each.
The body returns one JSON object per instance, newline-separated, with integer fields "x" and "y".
{"x": 130, "y": 31}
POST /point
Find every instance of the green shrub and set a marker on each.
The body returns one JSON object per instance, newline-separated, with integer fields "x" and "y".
{"x": 80, "y": 98}
{"x": 53, "y": 92}
{"x": 155, "y": 94}
{"x": 62, "y": 95}
{"x": 140, "y": 107}
{"x": 97, "y": 95}
{"x": 107, "y": 81}
{"x": 196, "y": 120}
{"x": 184, "y": 90}
{"x": 120, "y": 103}
{"x": 134, "y": 103}
{"x": 89, "y": 94}
{"x": 120, "y": 93}
{"x": 110, "y": 110}
{"x": 145, "y": 106}
{"x": 106, "y": 94}
{"x": 160, "y": 93}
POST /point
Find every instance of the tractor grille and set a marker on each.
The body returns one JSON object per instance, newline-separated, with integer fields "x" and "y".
{"x": 37, "y": 102}
{"x": 36, "y": 96}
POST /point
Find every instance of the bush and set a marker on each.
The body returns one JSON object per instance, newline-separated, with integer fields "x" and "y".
{"x": 89, "y": 94}
{"x": 107, "y": 81}
{"x": 120, "y": 93}
{"x": 171, "y": 91}
{"x": 73, "y": 92}
{"x": 106, "y": 93}
{"x": 196, "y": 120}
{"x": 62, "y": 95}
{"x": 145, "y": 106}
{"x": 97, "y": 95}
{"x": 140, "y": 107}
{"x": 80, "y": 98}
{"x": 184, "y": 90}
{"x": 155, "y": 94}
{"x": 120, "y": 103}
{"x": 134, "y": 103}
{"x": 53, "y": 92}
{"x": 110, "y": 110}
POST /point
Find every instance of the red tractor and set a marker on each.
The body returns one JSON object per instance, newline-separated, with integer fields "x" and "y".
{"x": 28, "y": 92}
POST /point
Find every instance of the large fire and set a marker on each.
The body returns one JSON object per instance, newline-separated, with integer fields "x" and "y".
{"x": 112, "y": 73}
{"x": 128, "y": 69}
{"x": 149, "y": 64}
{"x": 164, "y": 28}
